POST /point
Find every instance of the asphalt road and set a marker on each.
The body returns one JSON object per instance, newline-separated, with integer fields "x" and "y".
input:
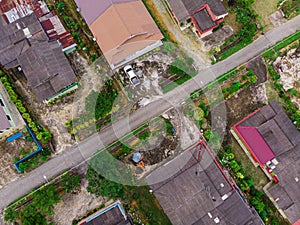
{"x": 87, "y": 148}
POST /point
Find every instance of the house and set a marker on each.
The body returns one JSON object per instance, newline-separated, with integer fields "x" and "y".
{"x": 12, "y": 10}
{"x": 113, "y": 214}
{"x": 123, "y": 29}
{"x": 24, "y": 44}
{"x": 10, "y": 118}
{"x": 203, "y": 15}
{"x": 193, "y": 189}
{"x": 273, "y": 142}
{"x": 53, "y": 26}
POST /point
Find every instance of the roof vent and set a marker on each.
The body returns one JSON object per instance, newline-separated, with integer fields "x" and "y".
{"x": 217, "y": 220}
{"x": 222, "y": 185}
{"x": 224, "y": 197}
{"x": 297, "y": 179}
{"x": 275, "y": 162}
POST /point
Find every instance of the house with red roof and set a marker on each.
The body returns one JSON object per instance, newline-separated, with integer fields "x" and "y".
{"x": 202, "y": 15}
{"x": 273, "y": 142}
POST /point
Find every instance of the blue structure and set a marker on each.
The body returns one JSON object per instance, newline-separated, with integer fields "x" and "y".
{"x": 16, "y": 165}
{"x": 136, "y": 157}
{"x": 14, "y": 137}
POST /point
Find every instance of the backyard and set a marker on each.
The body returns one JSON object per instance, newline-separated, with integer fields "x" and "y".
{"x": 264, "y": 8}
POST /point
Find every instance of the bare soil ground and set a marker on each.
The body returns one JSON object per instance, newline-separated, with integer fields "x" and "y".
{"x": 259, "y": 68}
{"x": 75, "y": 205}
{"x": 277, "y": 19}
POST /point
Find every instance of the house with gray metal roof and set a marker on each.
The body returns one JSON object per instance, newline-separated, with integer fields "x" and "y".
{"x": 113, "y": 214}
{"x": 203, "y": 15}
{"x": 193, "y": 189}
{"x": 24, "y": 44}
{"x": 274, "y": 143}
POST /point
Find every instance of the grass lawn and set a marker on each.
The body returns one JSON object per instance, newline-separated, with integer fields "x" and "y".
{"x": 146, "y": 205}
{"x": 271, "y": 92}
{"x": 230, "y": 20}
{"x": 264, "y": 8}
{"x": 258, "y": 176}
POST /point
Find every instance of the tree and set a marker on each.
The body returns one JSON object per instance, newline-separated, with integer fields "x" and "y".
{"x": 244, "y": 185}
{"x": 45, "y": 199}
{"x": 198, "y": 114}
{"x": 100, "y": 186}
{"x": 31, "y": 216}
{"x": 234, "y": 166}
{"x": 70, "y": 182}
{"x": 252, "y": 79}
{"x": 11, "y": 215}
{"x": 60, "y": 6}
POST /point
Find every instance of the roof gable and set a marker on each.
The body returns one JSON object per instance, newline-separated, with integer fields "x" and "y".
{"x": 92, "y": 9}
{"x": 124, "y": 29}
{"x": 256, "y": 143}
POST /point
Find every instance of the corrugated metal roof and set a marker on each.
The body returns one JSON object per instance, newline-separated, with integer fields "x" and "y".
{"x": 184, "y": 8}
{"x": 256, "y": 143}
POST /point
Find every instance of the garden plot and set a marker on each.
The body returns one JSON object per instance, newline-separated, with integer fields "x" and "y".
{"x": 11, "y": 152}
{"x": 158, "y": 141}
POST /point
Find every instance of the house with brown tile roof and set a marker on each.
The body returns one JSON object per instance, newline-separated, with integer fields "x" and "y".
{"x": 202, "y": 15}
{"x": 124, "y": 29}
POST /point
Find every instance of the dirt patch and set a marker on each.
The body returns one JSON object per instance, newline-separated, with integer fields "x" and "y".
{"x": 259, "y": 68}
{"x": 239, "y": 106}
{"x": 75, "y": 205}
{"x": 277, "y": 18}
{"x": 217, "y": 38}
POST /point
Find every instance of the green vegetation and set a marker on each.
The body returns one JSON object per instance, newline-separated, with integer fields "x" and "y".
{"x": 38, "y": 207}
{"x": 257, "y": 199}
{"x": 100, "y": 186}
{"x": 123, "y": 152}
{"x": 288, "y": 105}
{"x": 246, "y": 16}
{"x": 264, "y": 8}
{"x": 72, "y": 20}
{"x": 35, "y": 161}
{"x": 136, "y": 199}
{"x": 98, "y": 105}
{"x": 273, "y": 52}
{"x": 143, "y": 136}
{"x": 291, "y": 8}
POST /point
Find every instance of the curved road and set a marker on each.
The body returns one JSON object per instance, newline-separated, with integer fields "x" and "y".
{"x": 87, "y": 148}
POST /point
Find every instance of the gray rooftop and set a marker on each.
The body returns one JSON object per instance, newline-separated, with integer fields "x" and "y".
{"x": 110, "y": 217}
{"x": 192, "y": 189}
{"x": 45, "y": 66}
{"x": 184, "y": 8}
{"x": 275, "y": 127}
{"x": 284, "y": 139}
{"x": 203, "y": 19}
